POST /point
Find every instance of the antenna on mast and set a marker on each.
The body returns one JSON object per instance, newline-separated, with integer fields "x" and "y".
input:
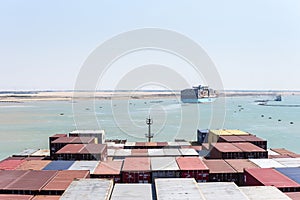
{"x": 149, "y": 122}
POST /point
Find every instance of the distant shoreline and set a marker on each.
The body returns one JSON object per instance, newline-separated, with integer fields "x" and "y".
{"x": 26, "y": 96}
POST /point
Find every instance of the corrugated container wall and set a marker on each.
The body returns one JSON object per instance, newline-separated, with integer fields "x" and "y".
{"x": 136, "y": 170}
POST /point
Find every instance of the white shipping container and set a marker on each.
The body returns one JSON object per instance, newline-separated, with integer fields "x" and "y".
{"x": 132, "y": 192}
{"x": 156, "y": 152}
{"x": 188, "y": 152}
{"x": 266, "y": 163}
{"x": 177, "y": 189}
{"x": 88, "y": 189}
{"x": 84, "y": 165}
{"x": 288, "y": 162}
{"x": 220, "y": 190}
{"x": 263, "y": 192}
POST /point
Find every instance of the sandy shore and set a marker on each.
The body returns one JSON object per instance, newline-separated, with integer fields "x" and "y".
{"x": 15, "y": 97}
{"x": 69, "y": 96}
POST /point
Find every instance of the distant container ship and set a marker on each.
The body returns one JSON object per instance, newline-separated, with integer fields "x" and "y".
{"x": 198, "y": 94}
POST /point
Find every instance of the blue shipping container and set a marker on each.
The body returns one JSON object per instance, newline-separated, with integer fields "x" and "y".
{"x": 59, "y": 165}
{"x": 291, "y": 172}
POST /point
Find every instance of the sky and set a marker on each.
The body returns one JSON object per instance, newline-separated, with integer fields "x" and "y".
{"x": 253, "y": 44}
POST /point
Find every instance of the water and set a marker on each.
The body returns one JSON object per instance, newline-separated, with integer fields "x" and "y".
{"x": 28, "y": 125}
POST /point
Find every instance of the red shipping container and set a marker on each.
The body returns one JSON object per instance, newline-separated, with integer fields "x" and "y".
{"x": 136, "y": 170}
{"x": 270, "y": 177}
{"x": 10, "y": 164}
{"x": 193, "y": 167}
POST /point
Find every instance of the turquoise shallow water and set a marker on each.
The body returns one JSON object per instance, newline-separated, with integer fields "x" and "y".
{"x": 28, "y": 125}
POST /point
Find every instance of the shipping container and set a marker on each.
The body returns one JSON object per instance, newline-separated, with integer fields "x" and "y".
{"x": 202, "y": 136}
{"x": 26, "y": 152}
{"x": 213, "y": 135}
{"x": 122, "y": 153}
{"x": 10, "y": 164}
{"x": 59, "y": 165}
{"x": 266, "y": 163}
{"x": 30, "y": 183}
{"x": 111, "y": 152}
{"x": 58, "y": 184}
{"x": 99, "y": 134}
{"x": 84, "y": 165}
{"x": 272, "y": 153}
{"x": 129, "y": 145}
{"x": 41, "y": 153}
{"x": 230, "y": 138}
{"x": 184, "y": 144}
{"x": 89, "y": 189}
{"x": 136, "y": 170}
{"x": 177, "y": 189}
{"x": 251, "y": 151}
{"x": 132, "y": 191}
{"x": 293, "y": 195}
{"x": 109, "y": 169}
{"x": 282, "y": 151}
{"x": 224, "y": 191}
{"x": 46, "y": 197}
{"x": 33, "y": 165}
{"x": 82, "y": 152}
{"x": 294, "y": 155}
{"x": 263, "y": 193}
{"x": 139, "y": 152}
{"x": 150, "y": 145}
{"x": 15, "y": 197}
{"x": 188, "y": 152}
{"x": 162, "y": 144}
{"x": 10, "y": 176}
{"x": 221, "y": 171}
{"x": 173, "y": 145}
{"x": 278, "y": 156}
{"x": 197, "y": 148}
{"x": 35, "y": 158}
{"x": 288, "y": 162}
{"x": 239, "y": 165}
{"x": 193, "y": 167}
{"x": 225, "y": 151}
{"x": 291, "y": 172}
{"x": 164, "y": 167}
{"x": 171, "y": 152}
{"x": 270, "y": 177}
{"x": 255, "y": 140}
{"x": 63, "y": 141}
{"x": 14, "y": 158}
{"x": 156, "y": 152}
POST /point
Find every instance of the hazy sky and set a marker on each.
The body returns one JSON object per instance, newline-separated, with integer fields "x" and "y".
{"x": 254, "y": 44}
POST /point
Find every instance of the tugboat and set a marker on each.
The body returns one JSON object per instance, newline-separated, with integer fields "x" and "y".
{"x": 198, "y": 94}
